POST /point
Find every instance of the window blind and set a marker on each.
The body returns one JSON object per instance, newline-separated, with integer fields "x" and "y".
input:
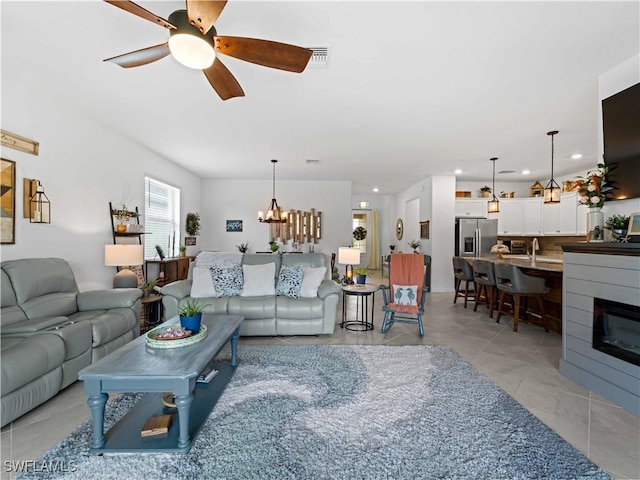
{"x": 162, "y": 218}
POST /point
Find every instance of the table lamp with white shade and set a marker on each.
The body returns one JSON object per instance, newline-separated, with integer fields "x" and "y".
{"x": 348, "y": 256}
{"x": 124, "y": 256}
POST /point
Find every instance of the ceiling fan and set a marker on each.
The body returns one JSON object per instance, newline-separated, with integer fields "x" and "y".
{"x": 195, "y": 43}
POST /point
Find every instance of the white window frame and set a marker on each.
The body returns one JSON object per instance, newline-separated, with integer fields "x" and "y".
{"x": 161, "y": 217}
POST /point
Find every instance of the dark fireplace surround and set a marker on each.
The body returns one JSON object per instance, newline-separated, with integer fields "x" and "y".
{"x": 616, "y": 329}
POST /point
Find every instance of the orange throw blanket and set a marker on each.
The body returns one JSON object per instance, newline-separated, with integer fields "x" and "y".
{"x": 406, "y": 269}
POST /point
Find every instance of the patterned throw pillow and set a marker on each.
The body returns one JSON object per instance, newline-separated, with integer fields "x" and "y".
{"x": 227, "y": 281}
{"x": 290, "y": 281}
{"x": 405, "y": 295}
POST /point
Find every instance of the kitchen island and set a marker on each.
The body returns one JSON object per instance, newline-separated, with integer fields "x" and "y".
{"x": 549, "y": 268}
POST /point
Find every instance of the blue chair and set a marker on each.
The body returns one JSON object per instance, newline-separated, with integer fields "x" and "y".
{"x": 406, "y": 269}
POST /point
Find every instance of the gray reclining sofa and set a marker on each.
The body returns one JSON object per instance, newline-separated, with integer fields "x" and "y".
{"x": 49, "y": 330}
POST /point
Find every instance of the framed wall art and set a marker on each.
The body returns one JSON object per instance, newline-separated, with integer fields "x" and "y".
{"x": 234, "y": 225}
{"x": 424, "y": 229}
{"x": 8, "y": 202}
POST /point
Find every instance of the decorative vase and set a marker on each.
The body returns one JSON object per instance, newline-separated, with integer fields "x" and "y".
{"x": 121, "y": 228}
{"x": 191, "y": 323}
{"x": 595, "y": 225}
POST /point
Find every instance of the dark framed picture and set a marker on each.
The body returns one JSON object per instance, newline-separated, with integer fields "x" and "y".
{"x": 424, "y": 229}
{"x": 189, "y": 241}
{"x": 8, "y": 199}
{"x": 234, "y": 225}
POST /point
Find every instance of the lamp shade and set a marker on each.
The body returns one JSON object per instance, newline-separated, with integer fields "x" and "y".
{"x": 123, "y": 255}
{"x": 348, "y": 256}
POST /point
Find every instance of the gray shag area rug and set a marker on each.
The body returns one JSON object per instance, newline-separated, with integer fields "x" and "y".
{"x": 347, "y": 412}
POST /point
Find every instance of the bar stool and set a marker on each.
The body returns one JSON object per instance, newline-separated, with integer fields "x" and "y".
{"x": 511, "y": 281}
{"x": 485, "y": 279}
{"x": 463, "y": 271}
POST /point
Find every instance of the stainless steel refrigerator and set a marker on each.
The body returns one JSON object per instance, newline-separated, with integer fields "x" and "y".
{"x": 475, "y": 236}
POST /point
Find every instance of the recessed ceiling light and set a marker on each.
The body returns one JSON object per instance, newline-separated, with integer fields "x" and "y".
{"x": 576, "y": 156}
{"x": 457, "y": 171}
{"x": 376, "y": 189}
{"x": 526, "y": 172}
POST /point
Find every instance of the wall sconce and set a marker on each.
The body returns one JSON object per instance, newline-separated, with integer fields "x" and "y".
{"x": 349, "y": 257}
{"x": 39, "y": 204}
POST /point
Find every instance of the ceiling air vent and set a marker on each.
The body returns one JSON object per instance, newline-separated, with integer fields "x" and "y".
{"x": 507, "y": 171}
{"x": 320, "y": 57}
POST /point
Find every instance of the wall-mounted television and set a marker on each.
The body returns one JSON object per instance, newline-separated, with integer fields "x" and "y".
{"x": 621, "y": 129}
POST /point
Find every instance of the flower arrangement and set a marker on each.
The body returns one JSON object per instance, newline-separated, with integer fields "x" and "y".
{"x": 592, "y": 189}
{"x": 415, "y": 244}
{"x": 392, "y": 248}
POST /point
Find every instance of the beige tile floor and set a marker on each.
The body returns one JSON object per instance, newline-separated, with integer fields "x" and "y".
{"x": 524, "y": 364}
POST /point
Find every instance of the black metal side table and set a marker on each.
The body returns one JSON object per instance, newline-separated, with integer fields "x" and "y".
{"x": 151, "y": 312}
{"x": 362, "y": 292}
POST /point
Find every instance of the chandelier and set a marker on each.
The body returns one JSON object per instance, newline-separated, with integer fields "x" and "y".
{"x": 274, "y": 214}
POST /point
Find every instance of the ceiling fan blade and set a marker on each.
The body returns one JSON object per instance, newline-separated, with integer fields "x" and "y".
{"x": 203, "y": 14}
{"x": 264, "y": 52}
{"x": 222, "y": 81}
{"x": 140, "y": 12}
{"x": 141, "y": 57}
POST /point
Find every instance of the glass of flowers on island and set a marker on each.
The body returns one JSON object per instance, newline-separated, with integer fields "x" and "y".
{"x": 500, "y": 249}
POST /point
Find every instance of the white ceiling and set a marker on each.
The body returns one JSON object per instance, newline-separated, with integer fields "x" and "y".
{"x": 413, "y": 89}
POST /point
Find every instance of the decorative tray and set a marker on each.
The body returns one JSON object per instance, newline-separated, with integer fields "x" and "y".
{"x": 154, "y": 341}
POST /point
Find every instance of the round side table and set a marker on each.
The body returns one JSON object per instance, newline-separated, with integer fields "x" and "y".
{"x": 362, "y": 292}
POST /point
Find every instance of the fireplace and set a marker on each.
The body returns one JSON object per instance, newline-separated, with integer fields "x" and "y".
{"x": 616, "y": 329}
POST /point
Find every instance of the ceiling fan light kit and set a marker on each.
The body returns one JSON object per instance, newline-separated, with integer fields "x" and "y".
{"x": 195, "y": 43}
{"x": 188, "y": 46}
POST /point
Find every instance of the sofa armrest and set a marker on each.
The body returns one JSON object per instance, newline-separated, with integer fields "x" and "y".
{"x": 107, "y": 299}
{"x": 178, "y": 289}
{"x": 327, "y": 287}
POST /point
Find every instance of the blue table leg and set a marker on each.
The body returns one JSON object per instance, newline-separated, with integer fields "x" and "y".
{"x": 96, "y": 405}
{"x": 183, "y": 403}
{"x": 234, "y": 347}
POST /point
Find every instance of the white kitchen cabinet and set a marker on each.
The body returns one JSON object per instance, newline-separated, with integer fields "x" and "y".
{"x": 471, "y": 207}
{"x": 561, "y": 218}
{"x": 510, "y": 221}
{"x": 532, "y": 215}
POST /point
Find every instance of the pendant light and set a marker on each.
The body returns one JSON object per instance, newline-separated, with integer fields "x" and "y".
{"x": 274, "y": 214}
{"x": 552, "y": 190}
{"x": 493, "y": 205}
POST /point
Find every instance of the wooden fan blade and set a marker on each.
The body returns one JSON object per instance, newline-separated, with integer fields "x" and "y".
{"x": 222, "y": 81}
{"x": 140, "y": 12}
{"x": 203, "y": 14}
{"x": 264, "y": 52}
{"x": 141, "y": 57}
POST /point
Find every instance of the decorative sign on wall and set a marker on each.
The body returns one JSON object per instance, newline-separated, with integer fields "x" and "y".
{"x": 8, "y": 202}
{"x": 12, "y": 140}
{"x": 234, "y": 225}
{"x": 189, "y": 241}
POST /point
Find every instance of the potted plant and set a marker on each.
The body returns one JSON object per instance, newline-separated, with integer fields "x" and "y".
{"x": 147, "y": 287}
{"x": 415, "y": 244}
{"x": 362, "y": 275}
{"x": 243, "y": 247}
{"x": 273, "y": 246}
{"x": 485, "y": 191}
{"x": 183, "y": 250}
{"x": 191, "y": 314}
{"x": 618, "y": 225}
{"x": 392, "y": 248}
{"x": 123, "y": 215}
{"x": 193, "y": 224}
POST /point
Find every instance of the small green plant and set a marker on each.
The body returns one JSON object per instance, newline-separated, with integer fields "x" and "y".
{"x": 273, "y": 246}
{"x": 415, "y": 244}
{"x": 243, "y": 247}
{"x": 617, "y": 222}
{"x": 392, "y": 248}
{"x": 182, "y": 249}
{"x": 361, "y": 271}
{"x": 192, "y": 307}
{"x": 149, "y": 285}
{"x": 193, "y": 224}
{"x": 486, "y": 188}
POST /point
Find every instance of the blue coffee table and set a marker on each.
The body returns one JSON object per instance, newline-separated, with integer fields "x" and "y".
{"x": 138, "y": 368}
